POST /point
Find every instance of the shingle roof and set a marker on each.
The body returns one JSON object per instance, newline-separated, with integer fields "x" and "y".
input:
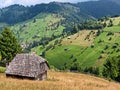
{"x": 27, "y": 65}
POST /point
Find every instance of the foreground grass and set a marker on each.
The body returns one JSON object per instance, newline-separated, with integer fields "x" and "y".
{"x": 59, "y": 81}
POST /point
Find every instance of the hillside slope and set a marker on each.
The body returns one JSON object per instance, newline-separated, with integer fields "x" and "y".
{"x": 19, "y": 13}
{"x": 59, "y": 81}
{"x": 43, "y": 25}
{"x": 85, "y": 47}
{"x": 100, "y": 8}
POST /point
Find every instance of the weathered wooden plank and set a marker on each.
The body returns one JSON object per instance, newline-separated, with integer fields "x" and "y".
{"x": 28, "y": 65}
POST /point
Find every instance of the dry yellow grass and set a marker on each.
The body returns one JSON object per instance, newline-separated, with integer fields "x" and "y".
{"x": 116, "y": 20}
{"x": 79, "y": 38}
{"x": 59, "y": 81}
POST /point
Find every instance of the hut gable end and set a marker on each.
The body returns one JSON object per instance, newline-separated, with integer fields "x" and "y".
{"x": 28, "y": 65}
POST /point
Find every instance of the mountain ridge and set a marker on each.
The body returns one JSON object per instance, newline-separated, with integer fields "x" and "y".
{"x": 78, "y": 12}
{"x": 100, "y": 8}
{"x": 19, "y": 13}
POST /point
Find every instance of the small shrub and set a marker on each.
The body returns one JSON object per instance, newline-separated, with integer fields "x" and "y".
{"x": 100, "y": 57}
{"x": 110, "y": 39}
{"x": 92, "y": 46}
{"x": 102, "y": 52}
{"x": 92, "y": 70}
{"x": 71, "y": 56}
{"x": 100, "y": 41}
{"x": 114, "y": 46}
{"x": 118, "y": 56}
{"x": 106, "y": 47}
{"x": 70, "y": 41}
{"x": 2, "y": 69}
{"x": 110, "y": 33}
{"x": 118, "y": 50}
{"x": 65, "y": 49}
{"x": 110, "y": 52}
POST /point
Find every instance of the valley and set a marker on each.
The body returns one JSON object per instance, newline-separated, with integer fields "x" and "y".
{"x": 81, "y": 37}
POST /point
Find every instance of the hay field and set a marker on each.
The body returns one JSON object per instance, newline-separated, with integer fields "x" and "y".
{"x": 59, "y": 81}
{"x": 80, "y": 38}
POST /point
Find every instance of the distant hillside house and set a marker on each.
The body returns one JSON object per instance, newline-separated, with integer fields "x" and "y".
{"x": 28, "y": 66}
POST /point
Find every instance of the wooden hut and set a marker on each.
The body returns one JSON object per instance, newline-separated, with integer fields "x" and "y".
{"x": 28, "y": 66}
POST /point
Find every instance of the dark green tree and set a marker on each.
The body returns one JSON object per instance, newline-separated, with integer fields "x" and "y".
{"x": 75, "y": 29}
{"x": 104, "y": 24}
{"x": 75, "y": 66}
{"x": 110, "y": 23}
{"x": 111, "y": 68}
{"x": 9, "y": 45}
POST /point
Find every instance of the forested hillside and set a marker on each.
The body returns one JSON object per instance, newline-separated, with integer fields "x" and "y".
{"x": 19, "y": 13}
{"x": 100, "y": 8}
{"x": 72, "y": 12}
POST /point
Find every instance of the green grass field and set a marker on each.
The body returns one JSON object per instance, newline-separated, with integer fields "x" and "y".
{"x": 87, "y": 56}
{"x": 35, "y": 29}
{"x": 113, "y": 29}
{"x": 59, "y": 56}
{"x": 116, "y": 20}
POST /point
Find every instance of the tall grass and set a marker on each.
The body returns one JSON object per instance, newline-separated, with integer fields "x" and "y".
{"x": 59, "y": 81}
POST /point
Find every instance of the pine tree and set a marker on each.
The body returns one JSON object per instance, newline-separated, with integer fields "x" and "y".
{"x": 75, "y": 29}
{"x": 111, "y": 68}
{"x": 110, "y": 23}
{"x": 9, "y": 45}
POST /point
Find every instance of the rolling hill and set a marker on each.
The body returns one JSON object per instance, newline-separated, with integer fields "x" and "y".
{"x": 85, "y": 47}
{"x": 21, "y": 18}
{"x": 19, "y": 13}
{"x": 43, "y": 25}
{"x": 31, "y": 24}
{"x": 72, "y": 12}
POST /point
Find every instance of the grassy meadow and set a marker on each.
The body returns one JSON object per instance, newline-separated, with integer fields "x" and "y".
{"x": 79, "y": 47}
{"x": 113, "y": 29}
{"x": 38, "y": 27}
{"x": 59, "y": 81}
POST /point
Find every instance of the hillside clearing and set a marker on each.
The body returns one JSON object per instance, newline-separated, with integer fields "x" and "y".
{"x": 113, "y": 29}
{"x": 82, "y": 38}
{"x": 116, "y": 20}
{"x": 35, "y": 29}
{"x": 59, "y": 81}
